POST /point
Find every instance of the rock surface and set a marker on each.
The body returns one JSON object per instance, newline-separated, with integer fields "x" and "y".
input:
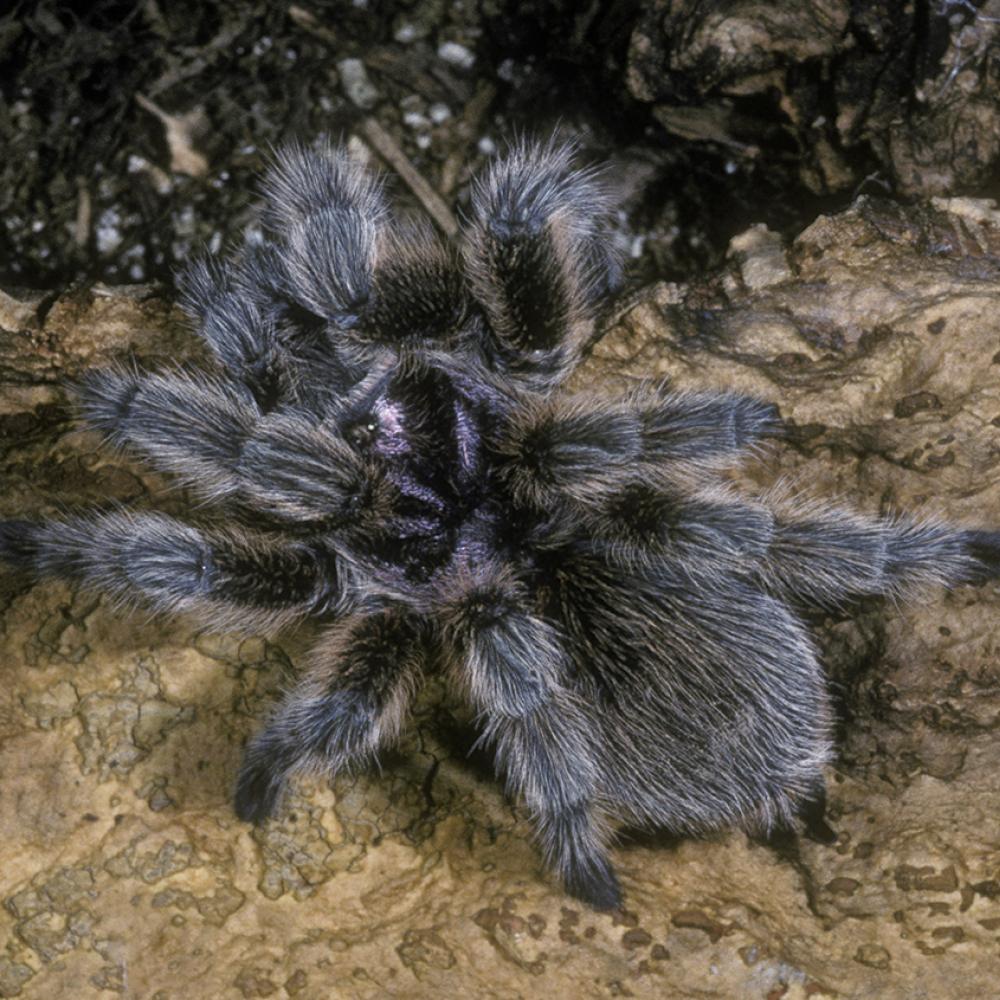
{"x": 124, "y": 870}
{"x": 831, "y": 87}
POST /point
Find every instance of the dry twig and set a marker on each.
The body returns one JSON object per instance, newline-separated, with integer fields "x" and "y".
{"x": 389, "y": 150}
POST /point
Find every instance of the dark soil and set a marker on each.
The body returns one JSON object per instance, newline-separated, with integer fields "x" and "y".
{"x": 134, "y": 130}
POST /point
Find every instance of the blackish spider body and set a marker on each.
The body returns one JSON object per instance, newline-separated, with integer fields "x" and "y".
{"x": 389, "y": 447}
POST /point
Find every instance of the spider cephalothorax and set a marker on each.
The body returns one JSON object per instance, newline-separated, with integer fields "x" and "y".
{"x": 386, "y": 437}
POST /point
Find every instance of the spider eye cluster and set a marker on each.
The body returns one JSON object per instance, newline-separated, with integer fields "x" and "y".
{"x": 362, "y": 432}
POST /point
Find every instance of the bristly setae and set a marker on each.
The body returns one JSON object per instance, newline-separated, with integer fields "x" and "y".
{"x": 384, "y": 442}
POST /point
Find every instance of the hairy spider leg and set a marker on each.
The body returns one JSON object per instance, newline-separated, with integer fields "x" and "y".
{"x": 826, "y": 555}
{"x": 241, "y": 334}
{"x": 546, "y": 756}
{"x": 325, "y": 211}
{"x": 513, "y": 667}
{"x": 318, "y": 366}
{"x": 538, "y": 259}
{"x": 810, "y": 551}
{"x": 701, "y": 429}
{"x": 352, "y": 700}
{"x": 223, "y": 579}
{"x": 368, "y": 278}
{"x": 190, "y": 424}
{"x": 709, "y": 531}
{"x": 582, "y": 449}
{"x": 275, "y": 313}
{"x": 419, "y": 294}
{"x": 212, "y": 437}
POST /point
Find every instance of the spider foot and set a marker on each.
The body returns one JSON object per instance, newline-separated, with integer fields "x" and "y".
{"x": 17, "y": 543}
{"x": 574, "y": 846}
{"x": 260, "y": 784}
{"x": 984, "y": 547}
{"x": 593, "y": 881}
{"x": 812, "y": 813}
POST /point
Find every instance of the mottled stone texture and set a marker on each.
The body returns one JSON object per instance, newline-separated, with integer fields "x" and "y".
{"x": 124, "y": 871}
{"x": 900, "y": 93}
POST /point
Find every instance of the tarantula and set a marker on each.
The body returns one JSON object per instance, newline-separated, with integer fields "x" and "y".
{"x": 388, "y": 438}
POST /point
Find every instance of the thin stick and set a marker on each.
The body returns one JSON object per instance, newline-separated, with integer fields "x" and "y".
{"x": 465, "y": 130}
{"x": 84, "y": 213}
{"x": 387, "y": 148}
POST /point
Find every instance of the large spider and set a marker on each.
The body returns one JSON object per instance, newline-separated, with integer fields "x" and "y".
{"x": 387, "y": 436}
